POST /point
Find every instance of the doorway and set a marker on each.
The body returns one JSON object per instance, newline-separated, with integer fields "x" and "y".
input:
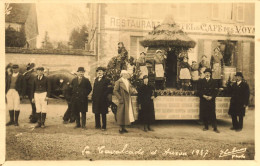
{"x": 171, "y": 71}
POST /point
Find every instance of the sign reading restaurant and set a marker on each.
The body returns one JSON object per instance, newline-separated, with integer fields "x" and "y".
{"x": 197, "y": 27}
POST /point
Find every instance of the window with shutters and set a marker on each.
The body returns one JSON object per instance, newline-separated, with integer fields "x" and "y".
{"x": 215, "y": 11}
{"x": 222, "y": 12}
{"x": 240, "y": 12}
{"x": 135, "y": 47}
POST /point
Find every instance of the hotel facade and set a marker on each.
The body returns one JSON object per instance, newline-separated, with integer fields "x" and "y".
{"x": 208, "y": 24}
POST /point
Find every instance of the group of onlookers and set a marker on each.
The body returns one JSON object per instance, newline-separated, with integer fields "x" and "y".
{"x": 38, "y": 90}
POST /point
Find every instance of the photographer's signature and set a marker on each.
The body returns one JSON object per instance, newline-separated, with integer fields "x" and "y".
{"x": 235, "y": 153}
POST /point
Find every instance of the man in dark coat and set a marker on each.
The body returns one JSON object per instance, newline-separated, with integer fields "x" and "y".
{"x": 207, "y": 93}
{"x": 239, "y": 101}
{"x": 14, "y": 94}
{"x": 81, "y": 88}
{"x": 99, "y": 98}
{"x": 145, "y": 98}
{"x": 28, "y": 80}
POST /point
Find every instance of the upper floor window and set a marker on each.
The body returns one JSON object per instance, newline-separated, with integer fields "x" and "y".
{"x": 222, "y": 12}
{"x": 180, "y": 12}
{"x": 240, "y": 12}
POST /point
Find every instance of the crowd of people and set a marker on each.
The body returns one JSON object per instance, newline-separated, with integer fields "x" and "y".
{"x": 80, "y": 87}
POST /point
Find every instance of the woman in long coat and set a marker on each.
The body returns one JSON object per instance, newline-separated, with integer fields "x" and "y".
{"x": 99, "y": 98}
{"x": 207, "y": 93}
{"x": 123, "y": 91}
{"x": 145, "y": 98}
{"x": 239, "y": 101}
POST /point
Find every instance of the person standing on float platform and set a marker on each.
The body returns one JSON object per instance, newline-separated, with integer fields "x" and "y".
{"x": 239, "y": 101}
{"x": 81, "y": 88}
{"x": 207, "y": 93}
{"x": 123, "y": 90}
{"x": 13, "y": 94}
{"x": 41, "y": 91}
{"x": 99, "y": 98}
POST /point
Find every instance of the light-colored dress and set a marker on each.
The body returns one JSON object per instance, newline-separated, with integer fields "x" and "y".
{"x": 131, "y": 112}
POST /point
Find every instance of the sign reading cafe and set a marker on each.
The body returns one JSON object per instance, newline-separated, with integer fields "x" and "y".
{"x": 193, "y": 27}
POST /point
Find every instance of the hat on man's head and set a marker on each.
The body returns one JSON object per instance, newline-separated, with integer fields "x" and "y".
{"x": 145, "y": 76}
{"x": 30, "y": 66}
{"x": 217, "y": 48}
{"x": 100, "y": 68}
{"x": 208, "y": 70}
{"x": 204, "y": 56}
{"x": 40, "y": 68}
{"x": 81, "y": 69}
{"x": 143, "y": 53}
{"x": 239, "y": 74}
{"x": 158, "y": 51}
{"x": 15, "y": 66}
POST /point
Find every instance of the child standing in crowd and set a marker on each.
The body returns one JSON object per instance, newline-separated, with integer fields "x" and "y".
{"x": 40, "y": 94}
{"x": 13, "y": 94}
{"x": 194, "y": 75}
{"x": 185, "y": 73}
{"x": 145, "y": 98}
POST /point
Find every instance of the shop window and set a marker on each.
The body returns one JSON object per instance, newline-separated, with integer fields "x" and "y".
{"x": 135, "y": 47}
{"x": 240, "y": 12}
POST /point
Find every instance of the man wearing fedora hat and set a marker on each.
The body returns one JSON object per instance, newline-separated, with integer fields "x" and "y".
{"x": 41, "y": 91}
{"x": 81, "y": 88}
{"x": 99, "y": 98}
{"x": 13, "y": 94}
{"x": 207, "y": 93}
{"x": 239, "y": 101}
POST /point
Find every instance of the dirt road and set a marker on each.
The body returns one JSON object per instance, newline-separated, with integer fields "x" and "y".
{"x": 171, "y": 140}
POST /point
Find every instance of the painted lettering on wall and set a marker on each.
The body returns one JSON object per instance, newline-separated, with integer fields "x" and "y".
{"x": 194, "y": 27}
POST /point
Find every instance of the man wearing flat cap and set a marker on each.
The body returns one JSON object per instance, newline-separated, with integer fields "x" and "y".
{"x": 81, "y": 88}
{"x": 239, "y": 101}
{"x": 41, "y": 91}
{"x": 207, "y": 93}
{"x": 99, "y": 98}
{"x": 13, "y": 94}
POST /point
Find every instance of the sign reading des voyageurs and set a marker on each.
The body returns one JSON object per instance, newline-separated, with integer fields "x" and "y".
{"x": 197, "y": 27}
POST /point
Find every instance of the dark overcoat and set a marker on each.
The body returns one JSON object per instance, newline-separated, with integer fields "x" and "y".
{"x": 28, "y": 80}
{"x": 99, "y": 96}
{"x": 80, "y": 92}
{"x": 146, "y": 113}
{"x": 120, "y": 91}
{"x": 18, "y": 84}
{"x": 207, "y": 108}
{"x": 239, "y": 98}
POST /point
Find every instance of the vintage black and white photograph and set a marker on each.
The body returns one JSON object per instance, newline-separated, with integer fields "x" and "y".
{"x": 129, "y": 81}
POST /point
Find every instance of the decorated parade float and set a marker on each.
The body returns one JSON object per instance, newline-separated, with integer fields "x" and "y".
{"x": 167, "y": 45}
